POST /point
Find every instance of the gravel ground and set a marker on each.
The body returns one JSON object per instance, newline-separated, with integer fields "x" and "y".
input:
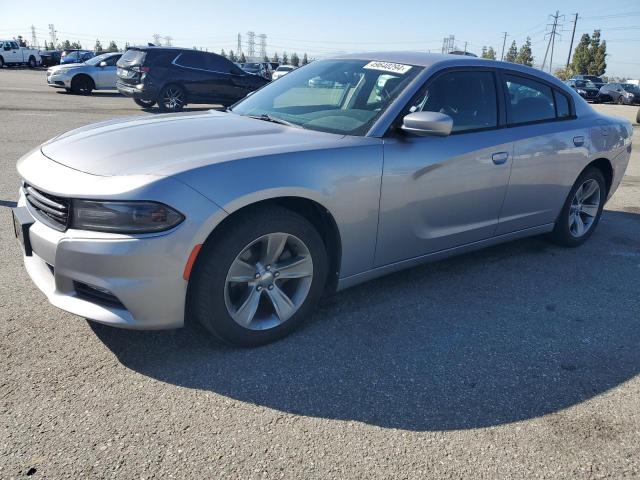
{"x": 520, "y": 361}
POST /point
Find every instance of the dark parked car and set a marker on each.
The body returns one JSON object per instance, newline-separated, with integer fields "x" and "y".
{"x": 175, "y": 77}
{"x": 75, "y": 56}
{"x": 50, "y": 58}
{"x": 597, "y": 81}
{"x": 586, "y": 89}
{"x": 258, "y": 68}
{"x": 621, "y": 93}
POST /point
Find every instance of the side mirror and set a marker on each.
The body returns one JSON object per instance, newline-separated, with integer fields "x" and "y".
{"x": 428, "y": 123}
{"x": 103, "y": 64}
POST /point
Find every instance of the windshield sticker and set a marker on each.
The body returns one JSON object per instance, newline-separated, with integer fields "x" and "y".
{"x": 388, "y": 67}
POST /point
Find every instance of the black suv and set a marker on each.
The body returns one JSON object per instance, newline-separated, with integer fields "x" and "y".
{"x": 174, "y": 77}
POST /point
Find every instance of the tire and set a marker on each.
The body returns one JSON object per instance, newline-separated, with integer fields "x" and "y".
{"x": 566, "y": 231}
{"x": 144, "y": 103}
{"x": 638, "y": 117}
{"x": 172, "y": 98}
{"x": 1, "y": 62}
{"x": 214, "y": 300}
{"x": 82, "y": 85}
{"x": 620, "y": 100}
{"x": 32, "y": 62}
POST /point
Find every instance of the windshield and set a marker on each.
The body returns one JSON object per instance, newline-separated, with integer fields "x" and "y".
{"x": 284, "y": 69}
{"x": 630, "y": 87}
{"x": 585, "y": 84}
{"x": 334, "y": 96}
{"x": 98, "y": 59}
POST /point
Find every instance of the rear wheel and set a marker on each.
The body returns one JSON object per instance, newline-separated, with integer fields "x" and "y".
{"x": 144, "y": 103}
{"x": 1, "y": 62}
{"x": 259, "y": 280}
{"x": 82, "y": 85}
{"x": 172, "y": 98}
{"x": 582, "y": 210}
{"x": 32, "y": 62}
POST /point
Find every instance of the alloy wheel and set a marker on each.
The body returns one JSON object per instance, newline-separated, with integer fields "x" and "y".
{"x": 584, "y": 208}
{"x": 268, "y": 281}
{"x": 173, "y": 98}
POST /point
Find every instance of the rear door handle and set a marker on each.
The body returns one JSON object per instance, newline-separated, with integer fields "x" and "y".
{"x": 500, "y": 157}
{"x": 578, "y": 141}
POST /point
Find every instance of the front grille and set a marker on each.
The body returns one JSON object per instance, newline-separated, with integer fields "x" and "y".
{"x": 51, "y": 210}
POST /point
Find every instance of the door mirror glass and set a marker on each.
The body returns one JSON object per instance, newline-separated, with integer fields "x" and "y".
{"x": 428, "y": 123}
{"x": 103, "y": 64}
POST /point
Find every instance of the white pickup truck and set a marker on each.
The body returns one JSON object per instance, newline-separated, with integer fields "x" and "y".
{"x": 13, "y": 54}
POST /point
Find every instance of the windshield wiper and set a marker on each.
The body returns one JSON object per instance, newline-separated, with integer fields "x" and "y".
{"x": 268, "y": 118}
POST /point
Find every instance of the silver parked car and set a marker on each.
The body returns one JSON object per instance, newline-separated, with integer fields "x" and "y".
{"x": 97, "y": 73}
{"x": 241, "y": 220}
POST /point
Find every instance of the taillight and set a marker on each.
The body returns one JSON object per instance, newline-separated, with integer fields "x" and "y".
{"x": 141, "y": 69}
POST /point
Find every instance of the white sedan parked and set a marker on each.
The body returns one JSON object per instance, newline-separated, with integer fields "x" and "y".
{"x": 97, "y": 73}
{"x": 282, "y": 70}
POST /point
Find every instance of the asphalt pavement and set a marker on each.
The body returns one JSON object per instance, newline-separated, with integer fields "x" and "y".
{"x": 519, "y": 361}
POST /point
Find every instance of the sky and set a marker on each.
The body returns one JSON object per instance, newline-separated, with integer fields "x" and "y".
{"x": 331, "y": 27}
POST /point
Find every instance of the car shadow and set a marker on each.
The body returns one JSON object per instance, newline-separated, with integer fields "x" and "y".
{"x": 501, "y": 335}
{"x": 8, "y": 204}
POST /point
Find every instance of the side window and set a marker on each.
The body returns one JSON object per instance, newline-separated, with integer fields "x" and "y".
{"x": 215, "y": 63}
{"x": 528, "y": 100}
{"x": 469, "y": 97}
{"x": 562, "y": 105}
{"x": 190, "y": 59}
{"x": 111, "y": 61}
{"x": 14, "y": 45}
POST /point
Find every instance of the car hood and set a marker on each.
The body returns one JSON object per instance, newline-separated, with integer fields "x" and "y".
{"x": 174, "y": 143}
{"x": 66, "y": 67}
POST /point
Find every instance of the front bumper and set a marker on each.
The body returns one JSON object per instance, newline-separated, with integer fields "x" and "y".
{"x": 57, "y": 80}
{"x": 143, "y": 273}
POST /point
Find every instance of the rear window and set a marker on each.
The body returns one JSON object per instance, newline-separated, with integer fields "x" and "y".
{"x": 529, "y": 101}
{"x": 132, "y": 57}
{"x": 562, "y": 105}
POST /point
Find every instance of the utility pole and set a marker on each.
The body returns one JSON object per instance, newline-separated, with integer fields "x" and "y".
{"x": 168, "y": 40}
{"x": 573, "y": 34}
{"x": 552, "y": 40}
{"x": 239, "y": 48}
{"x": 465, "y": 47}
{"x": 504, "y": 42}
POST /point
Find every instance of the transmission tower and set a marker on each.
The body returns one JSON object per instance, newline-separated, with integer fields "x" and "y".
{"x": 251, "y": 44}
{"x": 52, "y": 35}
{"x": 167, "y": 40}
{"x": 34, "y": 40}
{"x": 239, "y": 48}
{"x": 157, "y": 39}
{"x": 263, "y": 45}
{"x": 448, "y": 43}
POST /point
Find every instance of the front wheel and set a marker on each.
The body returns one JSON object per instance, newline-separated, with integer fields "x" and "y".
{"x": 82, "y": 85}
{"x": 172, "y": 99}
{"x": 582, "y": 210}
{"x": 1, "y": 62}
{"x": 620, "y": 100}
{"x": 144, "y": 103}
{"x": 260, "y": 278}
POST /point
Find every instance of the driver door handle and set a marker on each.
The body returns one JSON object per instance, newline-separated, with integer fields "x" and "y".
{"x": 500, "y": 158}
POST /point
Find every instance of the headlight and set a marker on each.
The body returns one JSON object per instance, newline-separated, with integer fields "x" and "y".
{"x": 123, "y": 217}
{"x": 583, "y": 92}
{"x": 628, "y": 94}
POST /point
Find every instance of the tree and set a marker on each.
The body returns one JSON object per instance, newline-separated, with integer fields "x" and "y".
{"x": 276, "y": 58}
{"x": 597, "y": 55}
{"x": 242, "y": 59}
{"x": 66, "y": 45}
{"x": 295, "y": 60}
{"x": 98, "y": 46}
{"x": 223, "y": 54}
{"x": 265, "y": 58}
{"x": 113, "y": 47}
{"x": 488, "y": 53}
{"x": 232, "y": 56}
{"x": 76, "y": 45}
{"x": 126, "y": 46}
{"x": 563, "y": 73}
{"x": 21, "y": 41}
{"x": 512, "y": 54}
{"x": 285, "y": 58}
{"x": 581, "y": 56}
{"x": 305, "y": 59}
{"x": 524, "y": 55}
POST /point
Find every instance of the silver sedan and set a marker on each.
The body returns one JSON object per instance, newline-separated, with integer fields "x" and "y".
{"x": 97, "y": 73}
{"x": 342, "y": 171}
